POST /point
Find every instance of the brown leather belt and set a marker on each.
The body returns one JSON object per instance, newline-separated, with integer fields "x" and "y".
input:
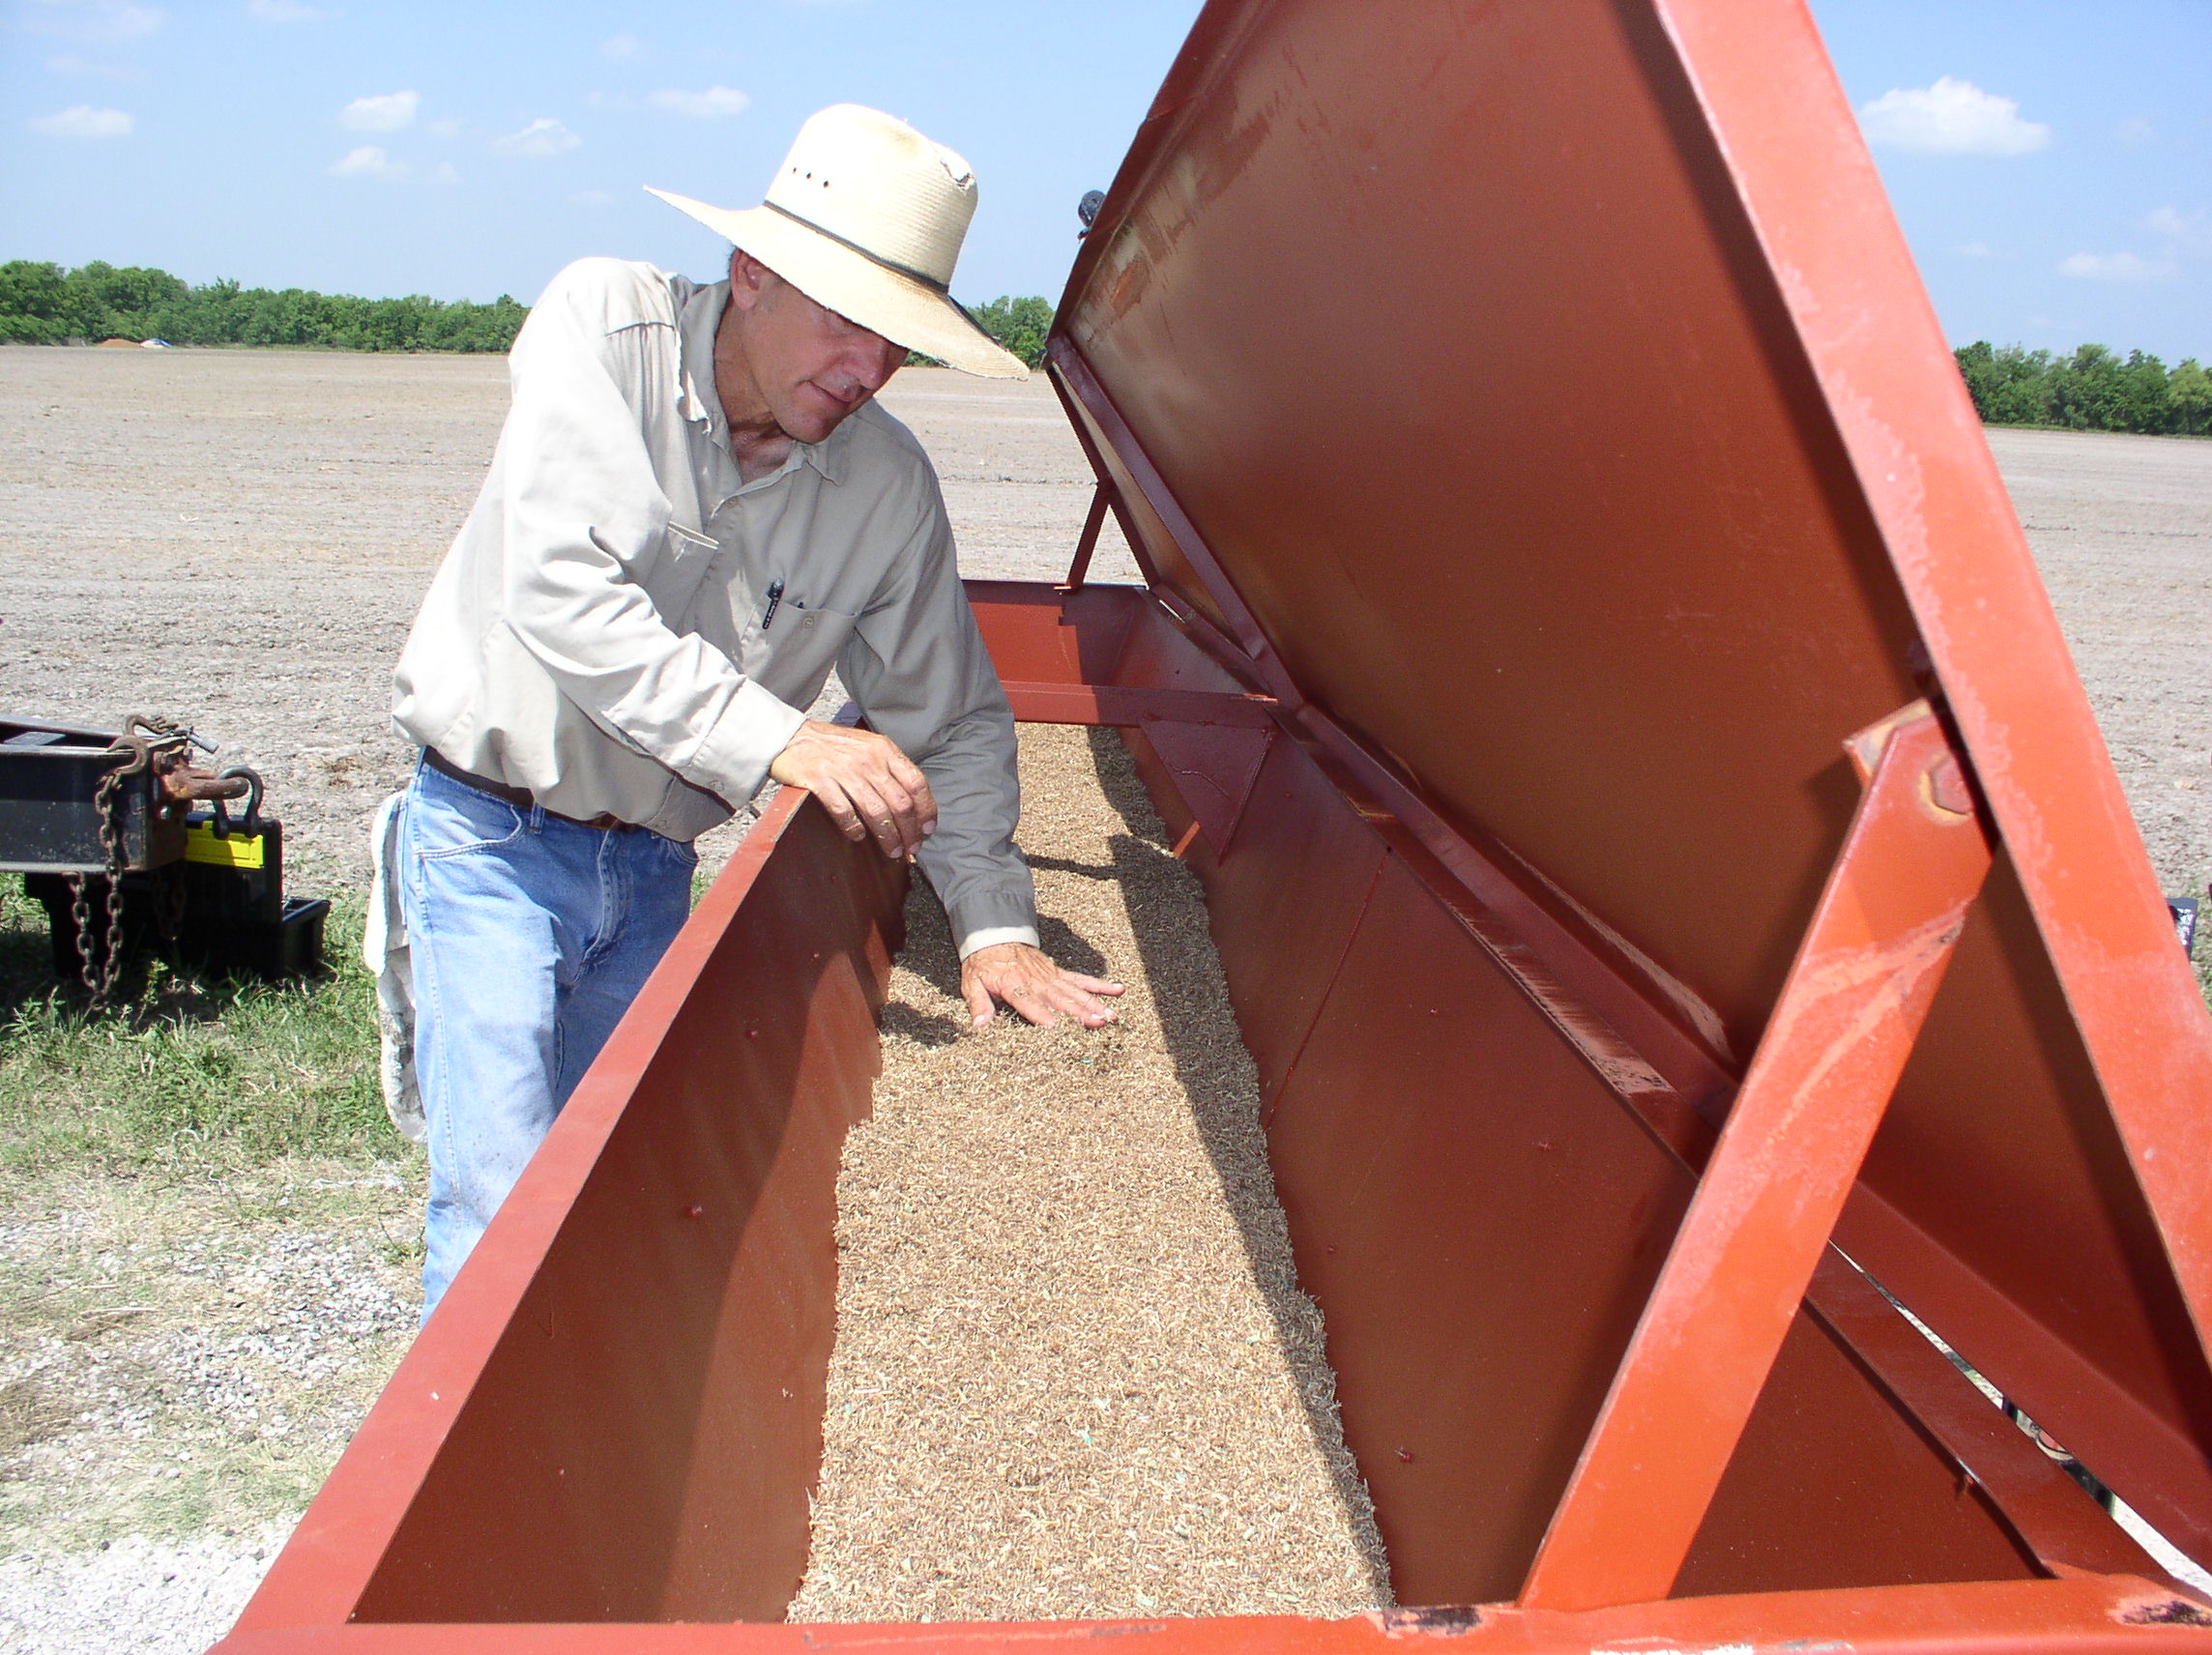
{"x": 520, "y": 797}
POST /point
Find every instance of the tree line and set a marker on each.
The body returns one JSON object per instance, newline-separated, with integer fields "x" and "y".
{"x": 2093, "y": 390}
{"x": 45, "y": 304}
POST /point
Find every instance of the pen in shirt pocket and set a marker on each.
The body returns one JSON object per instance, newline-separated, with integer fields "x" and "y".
{"x": 774, "y": 597}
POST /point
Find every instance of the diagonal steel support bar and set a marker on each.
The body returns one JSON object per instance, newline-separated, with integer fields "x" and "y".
{"x": 1086, "y": 542}
{"x": 1846, "y": 1021}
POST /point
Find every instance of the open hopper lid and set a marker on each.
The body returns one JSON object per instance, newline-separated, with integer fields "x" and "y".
{"x": 1543, "y": 394}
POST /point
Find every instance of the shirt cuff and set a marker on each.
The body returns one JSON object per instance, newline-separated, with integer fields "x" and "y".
{"x": 992, "y": 935}
{"x": 732, "y": 760}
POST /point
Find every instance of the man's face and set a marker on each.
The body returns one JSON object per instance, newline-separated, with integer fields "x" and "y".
{"x": 809, "y": 366}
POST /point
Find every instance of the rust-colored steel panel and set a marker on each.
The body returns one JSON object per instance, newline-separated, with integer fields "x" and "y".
{"x": 1940, "y": 507}
{"x": 615, "y": 1412}
{"x": 1042, "y": 635}
{"x": 1213, "y": 769}
{"x": 1833, "y": 1485}
{"x": 1598, "y": 472}
{"x": 1284, "y": 906}
{"x": 2051, "y": 1515}
{"x": 1827, "y": 1439}
{"x": 1481, "y": 1223}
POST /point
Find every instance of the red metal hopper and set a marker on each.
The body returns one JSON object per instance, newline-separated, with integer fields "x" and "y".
{"x": 1667, "y": 870}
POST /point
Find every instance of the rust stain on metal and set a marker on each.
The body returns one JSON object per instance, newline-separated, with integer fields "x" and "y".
{"x": 2167, "y": 1611}
{"x": 1441, "y": 1620}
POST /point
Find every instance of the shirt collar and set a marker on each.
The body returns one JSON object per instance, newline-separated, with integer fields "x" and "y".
{"x": 702, "y": 403}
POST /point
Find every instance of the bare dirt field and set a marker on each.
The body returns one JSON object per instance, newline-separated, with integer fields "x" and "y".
{"x": 2122, "y": 532}
{"x": 242, "y": 539}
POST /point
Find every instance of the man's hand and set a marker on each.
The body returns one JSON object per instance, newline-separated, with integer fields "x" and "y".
{"x": 1027, "y": 980}
{"x": 866, "y": 784}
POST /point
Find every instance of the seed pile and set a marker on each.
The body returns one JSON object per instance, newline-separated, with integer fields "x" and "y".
{"x": 1074, "y": 1374}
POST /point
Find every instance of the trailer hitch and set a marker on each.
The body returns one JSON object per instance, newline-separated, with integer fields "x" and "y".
{"x": 164, "y": 747}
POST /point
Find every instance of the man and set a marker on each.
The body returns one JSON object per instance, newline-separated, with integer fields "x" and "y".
{"x": 695, "y": 510}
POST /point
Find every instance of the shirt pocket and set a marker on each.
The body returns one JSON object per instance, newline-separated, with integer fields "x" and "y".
{"x": 809, "y": 613}
{"x": 794, "y": 650}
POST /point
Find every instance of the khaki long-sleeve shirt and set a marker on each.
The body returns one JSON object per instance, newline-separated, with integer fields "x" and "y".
{"x": 602, "y": 631}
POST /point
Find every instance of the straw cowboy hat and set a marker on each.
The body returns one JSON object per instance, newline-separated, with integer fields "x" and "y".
{"x": 866, "y": 217}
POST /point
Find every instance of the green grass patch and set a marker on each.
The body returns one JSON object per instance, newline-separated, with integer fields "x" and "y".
{"x": 200, "y": 1074}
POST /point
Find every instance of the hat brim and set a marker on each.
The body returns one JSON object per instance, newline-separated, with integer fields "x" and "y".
{"x": 903, "y": 309}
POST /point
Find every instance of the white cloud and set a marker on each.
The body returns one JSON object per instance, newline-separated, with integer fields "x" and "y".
{"x": 592, "y": 198}
{"x": 1975, "y": 250}
{"x": 92, "y": 69}
{"x": 2184, "y": 232}
{"x": 542, "y": 140}
{"x": 2136, "y": 129}
{"x": 2180, "y": 235}
{"x": 444, "y": 173}
{"x": 621, "y": 48}
{"x": 2116, "y": 267}
{"x": 92, "y": 19}
{"x": 444, "y": 127}
{"x": 387, "y": 112}
{"x": 83, "y": 121}
{"x": 368, "y": 162}
{"x": 712, "y": 104}
{"x": 284, "y": 11}
{"x": 1952, "y": 117}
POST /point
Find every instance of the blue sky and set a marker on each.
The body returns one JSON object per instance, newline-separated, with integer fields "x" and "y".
{"x": 2051, "y": 164}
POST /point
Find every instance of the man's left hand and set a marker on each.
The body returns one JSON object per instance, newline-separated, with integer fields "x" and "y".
{"x": 1026, "y": 979}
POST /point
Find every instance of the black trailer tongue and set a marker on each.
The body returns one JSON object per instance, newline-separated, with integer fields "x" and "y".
{"x": 130, "y": 847}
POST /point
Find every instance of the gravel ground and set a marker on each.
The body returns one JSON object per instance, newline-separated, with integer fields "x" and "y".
{"x": 134, "y": 1597}
{"x": 1074, "y": 1374}
{"x": 181, "y": 1365}
{"x": 242, "y": 537}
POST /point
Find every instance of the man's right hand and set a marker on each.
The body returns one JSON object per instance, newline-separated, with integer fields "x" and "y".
{"x": 868, "y": 785}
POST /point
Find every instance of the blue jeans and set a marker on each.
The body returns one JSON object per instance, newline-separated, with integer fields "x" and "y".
{"x": 530, "y": 937}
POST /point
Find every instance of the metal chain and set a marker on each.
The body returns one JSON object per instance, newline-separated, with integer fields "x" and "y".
{"x": 109, "y": 801}
{"x": 80, "y": 916}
